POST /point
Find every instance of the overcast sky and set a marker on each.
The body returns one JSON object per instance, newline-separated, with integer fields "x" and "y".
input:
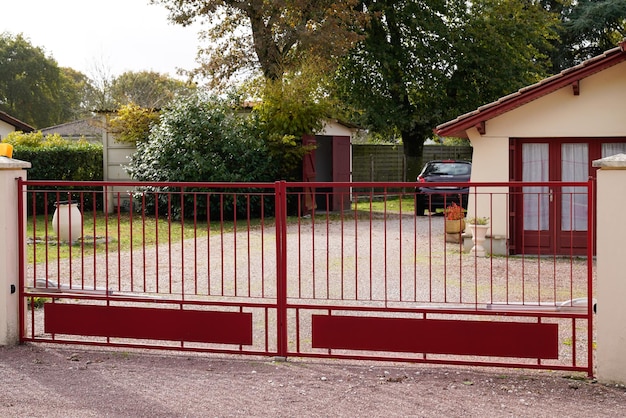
{"x": 117, "y": 35}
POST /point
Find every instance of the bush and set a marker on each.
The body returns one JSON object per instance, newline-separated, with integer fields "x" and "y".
{"x": 54, "y": 158}
{"x": 203, "y": 140}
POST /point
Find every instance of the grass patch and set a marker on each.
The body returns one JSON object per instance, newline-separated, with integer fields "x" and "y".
{"x": 391, "y": 203}
{"x": 123, "y": 231}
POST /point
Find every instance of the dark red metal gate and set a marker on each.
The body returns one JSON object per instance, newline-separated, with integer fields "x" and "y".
{"x": 235, "y": 268}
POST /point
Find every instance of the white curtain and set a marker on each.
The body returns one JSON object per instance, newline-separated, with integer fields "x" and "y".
{"x": 613, "y": 148}
{"x": 574, "y": 167}
{"x": 535, "y": 159}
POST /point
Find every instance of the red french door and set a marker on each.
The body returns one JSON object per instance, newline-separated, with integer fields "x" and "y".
{"x": 553, "y": 219}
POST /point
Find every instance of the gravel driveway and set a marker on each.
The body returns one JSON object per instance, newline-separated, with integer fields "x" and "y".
{"x": 59, "y": 381}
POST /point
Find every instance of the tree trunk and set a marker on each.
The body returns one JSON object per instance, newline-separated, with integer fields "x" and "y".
{"x": 413, "y": 143}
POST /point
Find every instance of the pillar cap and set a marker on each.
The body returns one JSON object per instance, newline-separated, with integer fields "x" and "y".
{"x": 10, "y": 164}
{"x": 614, "y": 162}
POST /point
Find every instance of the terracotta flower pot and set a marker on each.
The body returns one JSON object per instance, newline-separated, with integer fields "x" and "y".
{"x": 454, "y": 226}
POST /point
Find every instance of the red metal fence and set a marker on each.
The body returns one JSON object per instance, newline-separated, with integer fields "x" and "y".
{"x": 257, "y": 269}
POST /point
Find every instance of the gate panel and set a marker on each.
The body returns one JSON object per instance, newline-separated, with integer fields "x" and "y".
{"x": 179, "y": 266}
{"x": 232, "y": 268}
{"x": 148, "y": 323}
{"x": 476, "y": 338}
{"x": 377, "y": 282}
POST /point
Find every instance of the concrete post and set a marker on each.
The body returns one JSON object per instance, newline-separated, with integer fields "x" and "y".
{"x": 10, "y": 170}
{"x": 611, "y": 256}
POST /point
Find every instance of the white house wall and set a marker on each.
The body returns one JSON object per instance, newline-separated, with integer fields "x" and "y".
{"x": 597, "y": 112}
{"x": 5, "y": 129}
{"x": 332, "y": 128}
{"x": 490, "y": 164}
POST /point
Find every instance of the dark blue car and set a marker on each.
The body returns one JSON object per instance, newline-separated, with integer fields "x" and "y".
{"x": 442, "y": 171}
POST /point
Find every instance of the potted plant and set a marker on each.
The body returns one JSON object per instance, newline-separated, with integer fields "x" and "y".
{"x": 478, "y": 227}
{"x": 454, "y": 219}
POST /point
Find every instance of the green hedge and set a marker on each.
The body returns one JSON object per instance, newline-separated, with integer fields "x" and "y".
{"x": 62, "y": 161}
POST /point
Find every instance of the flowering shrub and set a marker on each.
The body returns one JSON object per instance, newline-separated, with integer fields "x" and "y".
{"x": 454, "y": 212}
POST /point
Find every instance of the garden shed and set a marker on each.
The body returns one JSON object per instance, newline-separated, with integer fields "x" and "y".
{"x": 548, "y": 131}
{"x": 329, "y": 161}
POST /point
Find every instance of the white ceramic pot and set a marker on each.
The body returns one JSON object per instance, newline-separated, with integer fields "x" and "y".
{"x": 479, "y": 235}
{"x": 67, "y": 221}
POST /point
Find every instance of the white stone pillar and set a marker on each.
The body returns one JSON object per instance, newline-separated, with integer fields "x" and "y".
{"x": 611, "y": 269}
{"x": 10, "y": 170}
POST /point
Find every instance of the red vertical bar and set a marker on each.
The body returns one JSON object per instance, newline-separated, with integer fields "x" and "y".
{"x": 143, "y": 237}
{"x": 119, "y": 242}
{"x": 106, "y": 242}
{"x": 370, "y": 248}
{"x": 70, "y": 242}
{"x": 46, "y": 251}
{"x": 430, "y": 261}
{"x": 590, "y": 252}
{"x": 94, "y": 234}
{"x": 58, "y": 249}
{"x": 195, "y": 243}
{"x": 297, "y": 330}
{"x": 299, "y": 245}
{"x": 169, "y": 242}
{"x": 400, "y": 245}
{"x": 208, "y": 242}
{"x": 327, "y": 246}
{"x": 235, "y": 244}
{"x": 313, "y": 281}
{"x": 356, "y": 254}
{"x": 415, "y": 249}
{"x": 131, "y": 237}
{"x": 574, "y": 342}
{"x": 81, "y": 205}
{"x": 34, "y": 213}
{"x": 341, "y": 217}
{"x": 156, "y": 240}
{"x": 386, "y": 296}
{"x": 248, "y": 242}
{"x": 281, "y": 267}
{"x": 182, "y": 243}
{"x": 263, "y": 244}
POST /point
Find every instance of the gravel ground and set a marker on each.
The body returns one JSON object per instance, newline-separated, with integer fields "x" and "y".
{"x": 55, "y": 380}
{"x": 404, "y": 260}
{"x": 60, "y": 381}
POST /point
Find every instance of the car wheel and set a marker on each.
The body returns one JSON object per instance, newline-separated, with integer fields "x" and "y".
{"x": 420, "y": 207}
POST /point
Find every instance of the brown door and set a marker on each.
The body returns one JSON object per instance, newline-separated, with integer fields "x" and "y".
{"x": 341, "y": 172}
{"x": 308, "y": 175}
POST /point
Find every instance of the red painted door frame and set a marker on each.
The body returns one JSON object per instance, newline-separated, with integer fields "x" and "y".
{"x": 554, "y": 240}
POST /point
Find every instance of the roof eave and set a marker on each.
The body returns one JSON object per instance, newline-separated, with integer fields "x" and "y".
{"x": 569, "y": 77}
{"x": 16, "y": 123}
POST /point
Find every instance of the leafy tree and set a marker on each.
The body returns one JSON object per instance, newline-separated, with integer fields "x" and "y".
{"x": 500, "y": 47}
{"x": 422, "y": 62}
{"x": 272, "y": 36}
{"x": 291, "y": 108}
{"x": 390, "y": 78}
{"x": 203, "y": 139}
{"x": 32, "y": 86}
{"x": 147, "y": 89}
{"x": 78, "y": 95}
{"x": 132, "y": 123}
{"x": 589, "y": 27}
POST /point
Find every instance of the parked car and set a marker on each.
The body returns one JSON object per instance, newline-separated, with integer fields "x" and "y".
{"x": 442, "y": 171}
